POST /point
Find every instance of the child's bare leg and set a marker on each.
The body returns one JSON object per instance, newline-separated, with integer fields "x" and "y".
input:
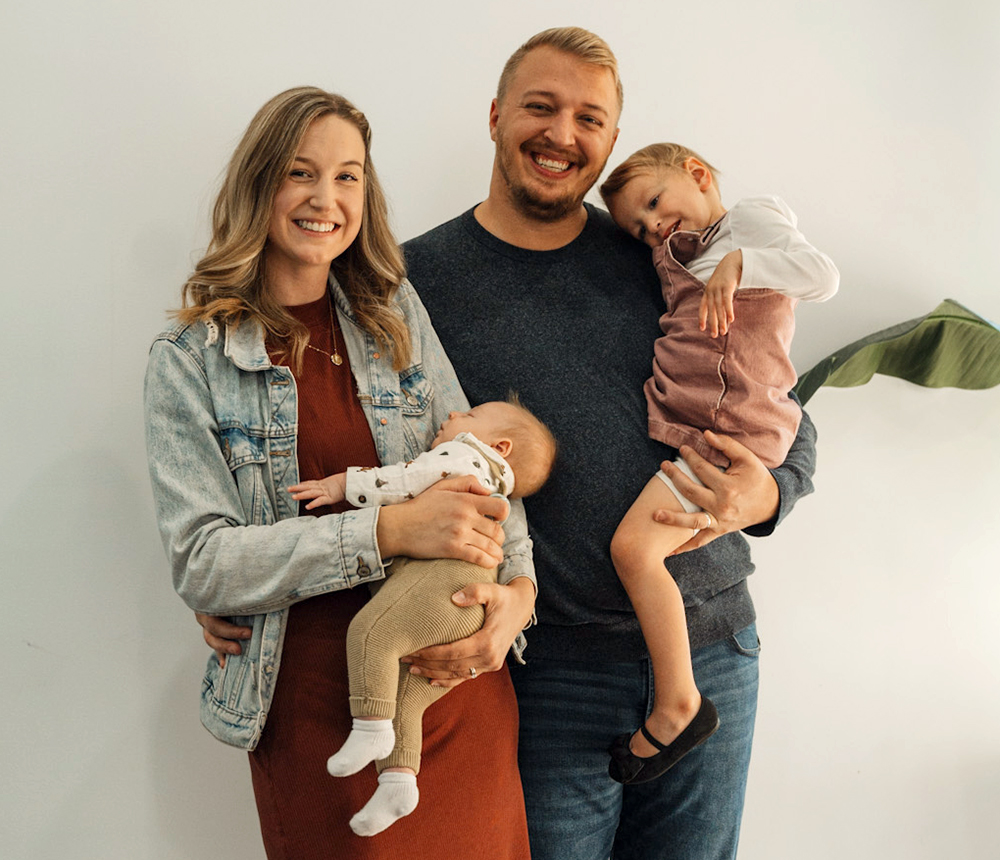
{"x": 638, "y": 550}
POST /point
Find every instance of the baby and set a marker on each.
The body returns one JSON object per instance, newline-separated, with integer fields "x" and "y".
{"x": 511, "y": 453}
{"x": 731, "y": 281}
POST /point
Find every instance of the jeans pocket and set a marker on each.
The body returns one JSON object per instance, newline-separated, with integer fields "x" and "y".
{"x": 746, "y": 641}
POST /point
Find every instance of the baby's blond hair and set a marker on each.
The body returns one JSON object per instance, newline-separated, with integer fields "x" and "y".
{"x": 533, "y": 453}
{"x": 650, "y": 159}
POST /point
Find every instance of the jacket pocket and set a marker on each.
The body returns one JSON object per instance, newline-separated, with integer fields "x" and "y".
{"x": 416, "y": 397}
{"x": 246, "y": 456}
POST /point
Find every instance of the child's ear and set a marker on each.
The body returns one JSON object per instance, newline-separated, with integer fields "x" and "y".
{"x": 699, "y": 173}
{"x": 503, "y": 447}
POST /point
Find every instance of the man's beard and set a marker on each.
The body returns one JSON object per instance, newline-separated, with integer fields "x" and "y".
{"x": 528, "y": 202}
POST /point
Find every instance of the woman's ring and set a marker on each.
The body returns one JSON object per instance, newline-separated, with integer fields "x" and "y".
{"x": 708, "y": 525}
{"x": 472, "y": 671}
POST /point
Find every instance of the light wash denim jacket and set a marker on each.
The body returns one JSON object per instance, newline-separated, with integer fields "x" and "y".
{"x": 221, "y": 425}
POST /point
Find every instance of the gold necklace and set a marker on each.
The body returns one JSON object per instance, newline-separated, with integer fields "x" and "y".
{"x": 334, "y": 356}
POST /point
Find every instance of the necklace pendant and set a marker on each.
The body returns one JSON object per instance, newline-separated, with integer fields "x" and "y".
{"x": 336, "y": 359}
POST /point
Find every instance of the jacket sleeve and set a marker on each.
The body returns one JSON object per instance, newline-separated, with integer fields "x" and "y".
{"x": 448, "y": 397}
{"x": 223, "y": 563}
{"x": 776, "y": 255}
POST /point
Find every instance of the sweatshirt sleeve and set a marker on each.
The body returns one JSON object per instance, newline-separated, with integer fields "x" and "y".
{"x": 776, "y": 255}
{"x": 794, "y": 476}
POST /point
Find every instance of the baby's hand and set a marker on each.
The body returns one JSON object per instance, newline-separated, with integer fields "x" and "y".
{"x": 716, "y": 311}
{"x": 327, "y": 491}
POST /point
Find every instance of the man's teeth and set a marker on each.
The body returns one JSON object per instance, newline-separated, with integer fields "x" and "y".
{"x": 317, "y": 226}
{"x": 551, "y": 164}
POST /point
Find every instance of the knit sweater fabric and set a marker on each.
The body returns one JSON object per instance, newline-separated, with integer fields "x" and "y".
{"x": 572, "y": 331}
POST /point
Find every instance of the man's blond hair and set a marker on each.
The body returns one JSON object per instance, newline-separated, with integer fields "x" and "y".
{"x": 575, "y": 41}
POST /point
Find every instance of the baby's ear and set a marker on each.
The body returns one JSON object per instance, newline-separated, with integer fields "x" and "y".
{"x": 701, "y": 174}
{"x": 503, "y": 447}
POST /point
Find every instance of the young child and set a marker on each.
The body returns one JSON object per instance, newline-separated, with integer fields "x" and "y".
{"x": 731, "y": 281}
{"x": 511, "y": 453}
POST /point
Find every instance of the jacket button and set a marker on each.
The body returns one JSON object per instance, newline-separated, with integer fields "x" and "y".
{"x": 362, "y": 499}
{"x": 376, "y": 355}
{"x": 383, "y": 421}
{"x": 411, "y": 400}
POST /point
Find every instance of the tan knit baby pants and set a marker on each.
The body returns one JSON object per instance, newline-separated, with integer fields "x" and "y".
{"x": 412, "y": 610}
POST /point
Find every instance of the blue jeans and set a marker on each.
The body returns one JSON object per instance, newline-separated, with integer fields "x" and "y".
{"x": 570, "y": 713}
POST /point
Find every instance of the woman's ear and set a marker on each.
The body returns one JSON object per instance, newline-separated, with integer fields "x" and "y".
{"x": 503, "y": 447}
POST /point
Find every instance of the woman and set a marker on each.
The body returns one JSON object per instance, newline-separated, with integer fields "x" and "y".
{"x": 301, "y": 349}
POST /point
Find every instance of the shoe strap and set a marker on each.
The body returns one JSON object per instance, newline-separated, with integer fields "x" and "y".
{"x": 645, "y": 733}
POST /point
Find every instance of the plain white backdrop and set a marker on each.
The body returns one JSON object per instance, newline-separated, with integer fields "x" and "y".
{"x": 877, "y": 121}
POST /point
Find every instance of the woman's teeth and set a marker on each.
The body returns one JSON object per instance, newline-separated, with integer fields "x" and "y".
{"x": 317, "y": 226}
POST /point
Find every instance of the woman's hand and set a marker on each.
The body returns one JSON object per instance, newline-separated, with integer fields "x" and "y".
{"x": 508, "y": 610}
{"x": 742, "y": 496}
{"x": 221, "y": 636}
{"x": 455, "y": 518}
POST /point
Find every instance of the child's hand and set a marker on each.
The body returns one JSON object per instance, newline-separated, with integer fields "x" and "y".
{"x": 327, "y": 491}
{"x": 716, "y": 311}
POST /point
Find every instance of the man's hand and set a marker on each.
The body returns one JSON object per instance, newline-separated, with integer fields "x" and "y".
{"x": 716, "y": 310}
{"x": 742, "y": 496}
{"x": 221, "y": 636}
{"x": 508, "y": 610}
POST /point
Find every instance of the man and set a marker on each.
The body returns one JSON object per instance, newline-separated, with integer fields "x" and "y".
{"x": 535, "y": 291}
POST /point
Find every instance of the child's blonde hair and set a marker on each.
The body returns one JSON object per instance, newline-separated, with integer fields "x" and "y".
{"x": 534, "y": 450}
{"x": 650, "y": 159}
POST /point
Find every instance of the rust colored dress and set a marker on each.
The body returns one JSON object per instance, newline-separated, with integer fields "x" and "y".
{"x": 471, "y": 806}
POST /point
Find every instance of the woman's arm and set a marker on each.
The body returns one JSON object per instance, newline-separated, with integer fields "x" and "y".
{"x": 223, "y": 563}
{"x": 453, "y": 519}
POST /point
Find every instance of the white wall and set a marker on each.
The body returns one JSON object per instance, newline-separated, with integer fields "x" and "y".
{"x": 878, "y": 122}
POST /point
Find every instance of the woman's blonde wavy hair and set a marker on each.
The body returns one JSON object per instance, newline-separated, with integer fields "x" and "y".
{"x": 228, "y": 283}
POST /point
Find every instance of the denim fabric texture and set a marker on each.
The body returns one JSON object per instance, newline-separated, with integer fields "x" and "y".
{"x": 570, "y": 713}
{"x": 221, "y": 425}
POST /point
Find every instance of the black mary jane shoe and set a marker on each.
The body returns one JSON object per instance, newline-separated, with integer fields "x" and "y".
{"x": 628, "y": 768}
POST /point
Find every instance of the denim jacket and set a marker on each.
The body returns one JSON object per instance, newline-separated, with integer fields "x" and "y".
{"x": 221, "y": 424}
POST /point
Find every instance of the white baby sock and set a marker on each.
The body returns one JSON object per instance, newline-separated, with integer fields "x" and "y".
{"x": 368, "y": 740}
{"x": 396, "y": 796}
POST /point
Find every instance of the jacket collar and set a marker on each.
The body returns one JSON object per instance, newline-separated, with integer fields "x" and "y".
{"x": 244, "y": 345}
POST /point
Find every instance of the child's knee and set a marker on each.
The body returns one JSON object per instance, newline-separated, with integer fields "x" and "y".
{"x": 630, "y": 552}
